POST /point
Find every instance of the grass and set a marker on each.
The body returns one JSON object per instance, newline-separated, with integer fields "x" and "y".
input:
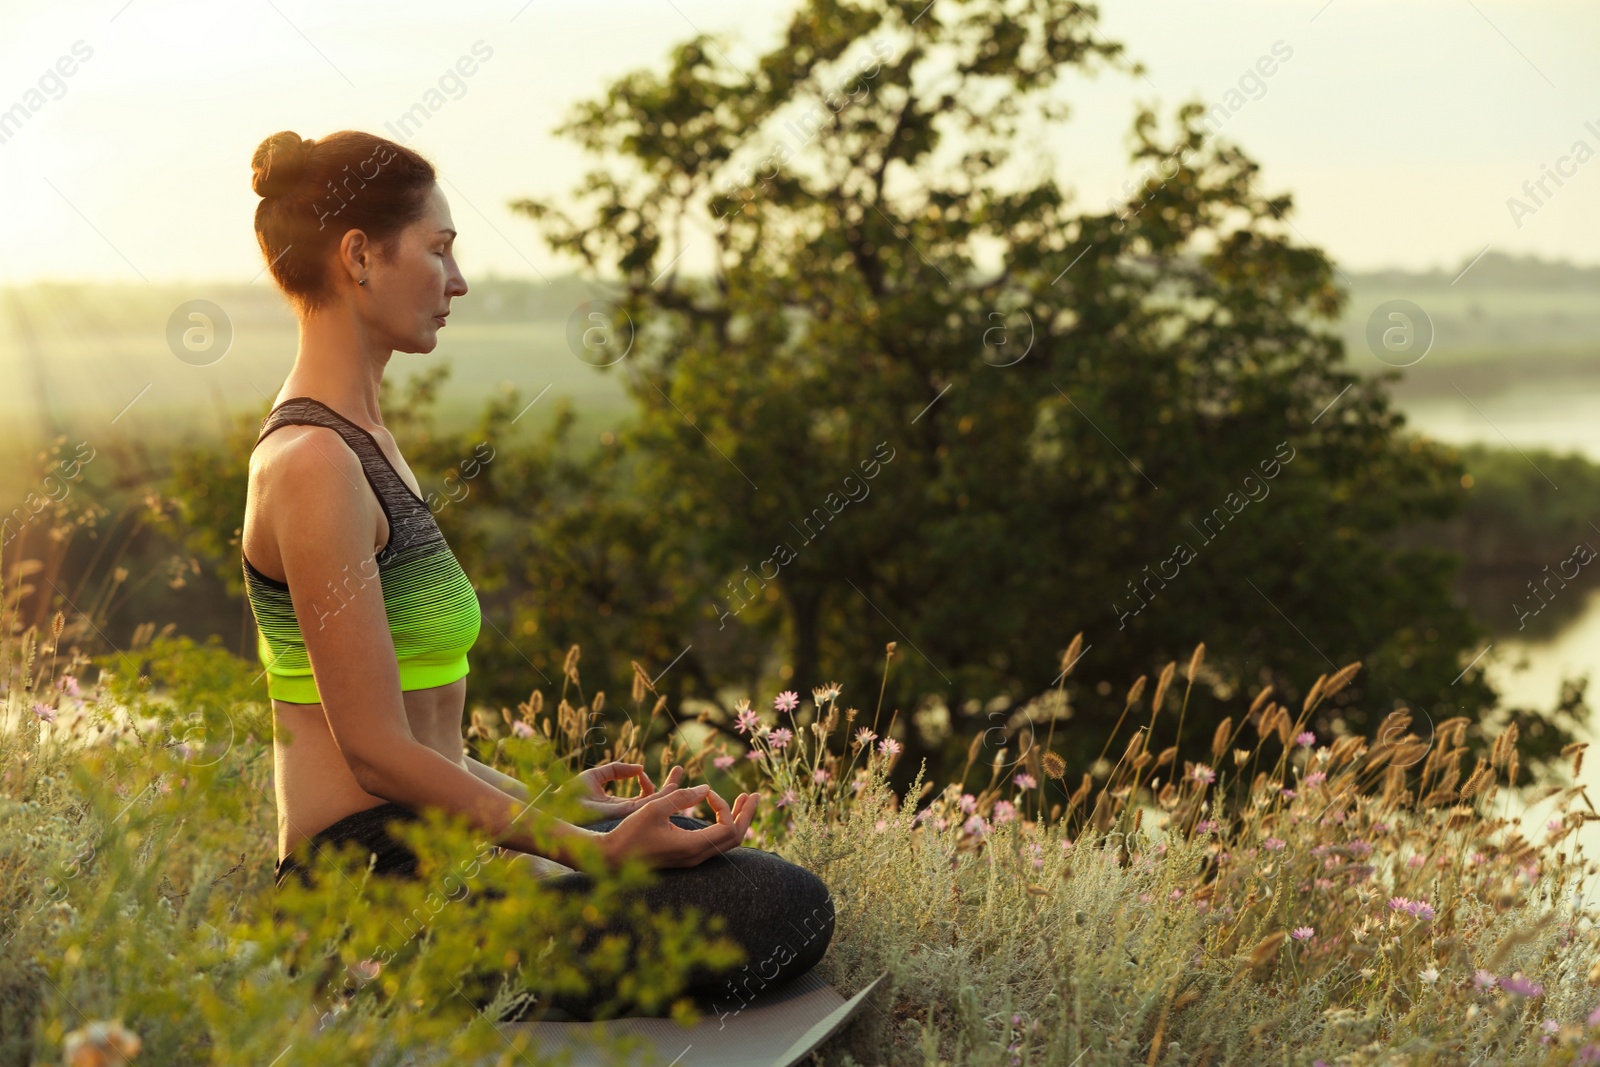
{"x": 1286, "y": 900}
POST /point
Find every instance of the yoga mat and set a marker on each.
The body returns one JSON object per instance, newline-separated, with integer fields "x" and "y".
{"x": 777, "y": 1028}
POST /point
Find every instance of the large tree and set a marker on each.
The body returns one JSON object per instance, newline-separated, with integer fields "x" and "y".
{"x": 1132, "y": 424}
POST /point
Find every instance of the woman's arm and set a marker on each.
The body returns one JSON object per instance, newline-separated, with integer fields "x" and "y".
{"x": 500, "y": 780}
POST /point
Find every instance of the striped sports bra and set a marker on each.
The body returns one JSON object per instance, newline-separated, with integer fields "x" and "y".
{"x": 433, "y": 610}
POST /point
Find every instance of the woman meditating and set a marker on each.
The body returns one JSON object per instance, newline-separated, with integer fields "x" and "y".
{"x": 369, "y": 681}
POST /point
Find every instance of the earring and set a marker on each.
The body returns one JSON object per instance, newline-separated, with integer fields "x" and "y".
{"x": 363, "y": 281}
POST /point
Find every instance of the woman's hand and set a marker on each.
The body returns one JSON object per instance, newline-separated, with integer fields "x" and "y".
{"x": 650, "y": 834}
{"x": 592, "y": 795}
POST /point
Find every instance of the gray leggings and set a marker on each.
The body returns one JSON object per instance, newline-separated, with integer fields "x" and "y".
{"x": 780, "y": 913}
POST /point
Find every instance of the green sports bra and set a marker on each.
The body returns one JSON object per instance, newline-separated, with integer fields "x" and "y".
{"x": 433, "y": 611}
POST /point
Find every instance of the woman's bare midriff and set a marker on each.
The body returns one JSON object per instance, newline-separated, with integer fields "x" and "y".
{"x": 314, "y": 785}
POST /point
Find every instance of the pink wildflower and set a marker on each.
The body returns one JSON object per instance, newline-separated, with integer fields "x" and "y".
{"x": 521, "y": 729}
{"x": 821, "y": 774}
{"x": 787, "y": 700}
{"x": 787, "y": 798}
{"x": 1203, "y": 774}
{"x": 1305, "y": 739}
{"x": 780, "y": 737}
{"x": 1315, "y": 778}
{"x": 748, "y": 721}
{"x": 865, "y": 737}
{"x": 753, "y": 754}
{"x": 722, "y": 763}
{"x": 1518, "y": 986}
{"x": 969, "y": 803}
{"x": 881, "y": 825}
{"x": 1486, "y": 980}
{"x": 1301, "y": 933}
{"x": 1416, "y": 861}
{"x": 1025, "y": 780}
{"x": 975, "y": 825}
{"x": 1273, "y": 844}
{"x": 889, "y": 746}
{"x": 70, "y": 685}
{"x": 1004, "y": 811}
{"x": 45, "y": 712}
{"x": 1206, "y": 826}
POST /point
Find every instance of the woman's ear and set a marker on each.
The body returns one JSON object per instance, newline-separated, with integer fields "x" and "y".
{"x": 355, "y": 254}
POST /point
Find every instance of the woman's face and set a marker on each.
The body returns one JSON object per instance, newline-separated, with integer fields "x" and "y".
{"x": 408, "y": 291}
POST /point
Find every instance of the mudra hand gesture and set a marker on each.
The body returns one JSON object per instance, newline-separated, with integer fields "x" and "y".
{"x": 590, "y": 788}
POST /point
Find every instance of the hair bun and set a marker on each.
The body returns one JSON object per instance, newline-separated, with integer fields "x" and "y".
{"x": 279, "y": 162}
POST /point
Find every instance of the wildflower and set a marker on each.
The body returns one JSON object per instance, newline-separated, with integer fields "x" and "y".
{"x": 1416, "y": 861}
{"x": 820, "y": 775}
{"x": 881, "y": 825}
{"x": 975, "y": 825}
{"x": 722, "y": 763}
{"x": 1359, "y": 847}
{"x": 1024, "y": 780}
{"x": 1549, "y": 1026}
{"x": 521, "y": 729}
{"x": 69, "y": 685}
{"x": 1066, "y": 844}
{"x": 1315, "y": 778}
{"x": 787, "y": 700}
{"x": 1380, "y": 827}
{"x": 969, "y": 803}
{"x": 865, "y": 737}
{"x": 1553, "y": 825}
{"x": 940, "y": 822}
{"x": 753, "y": 754}
{"x": 857, "y": 785}
{"x": 787, "y": 798}
{"x": 889, "y": 746}
{"x": 45, "y": 712}
{"x": 1301, "y": 933}
{"x": 822, "y": 693}
{"x": 1429, "y": 975}
{"x": 1288, "y": 794}
{"x": 1175, "y": 896}
{"x": 1305, "y": 739}
{"x": 780, "y": 737}
{"x": 1518, "y": 986}
{"x": 1206, "y": 826}
{"x": 1273, "y": 844}
{"x": 1004, "y": 811}
{"x": 1483, "y": 979}
{"x": 101, "y": 1042}
{"x": 1203, "y": 774}
{"x": 748, "y": 721}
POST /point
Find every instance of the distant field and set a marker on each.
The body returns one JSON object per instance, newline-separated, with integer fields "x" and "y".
{"x": 75, "y": 356}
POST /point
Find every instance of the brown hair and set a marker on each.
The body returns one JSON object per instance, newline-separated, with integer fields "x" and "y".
{"x": 312, "y": 192}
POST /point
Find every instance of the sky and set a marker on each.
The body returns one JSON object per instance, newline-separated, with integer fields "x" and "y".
{"x": 1403, "y": 128}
